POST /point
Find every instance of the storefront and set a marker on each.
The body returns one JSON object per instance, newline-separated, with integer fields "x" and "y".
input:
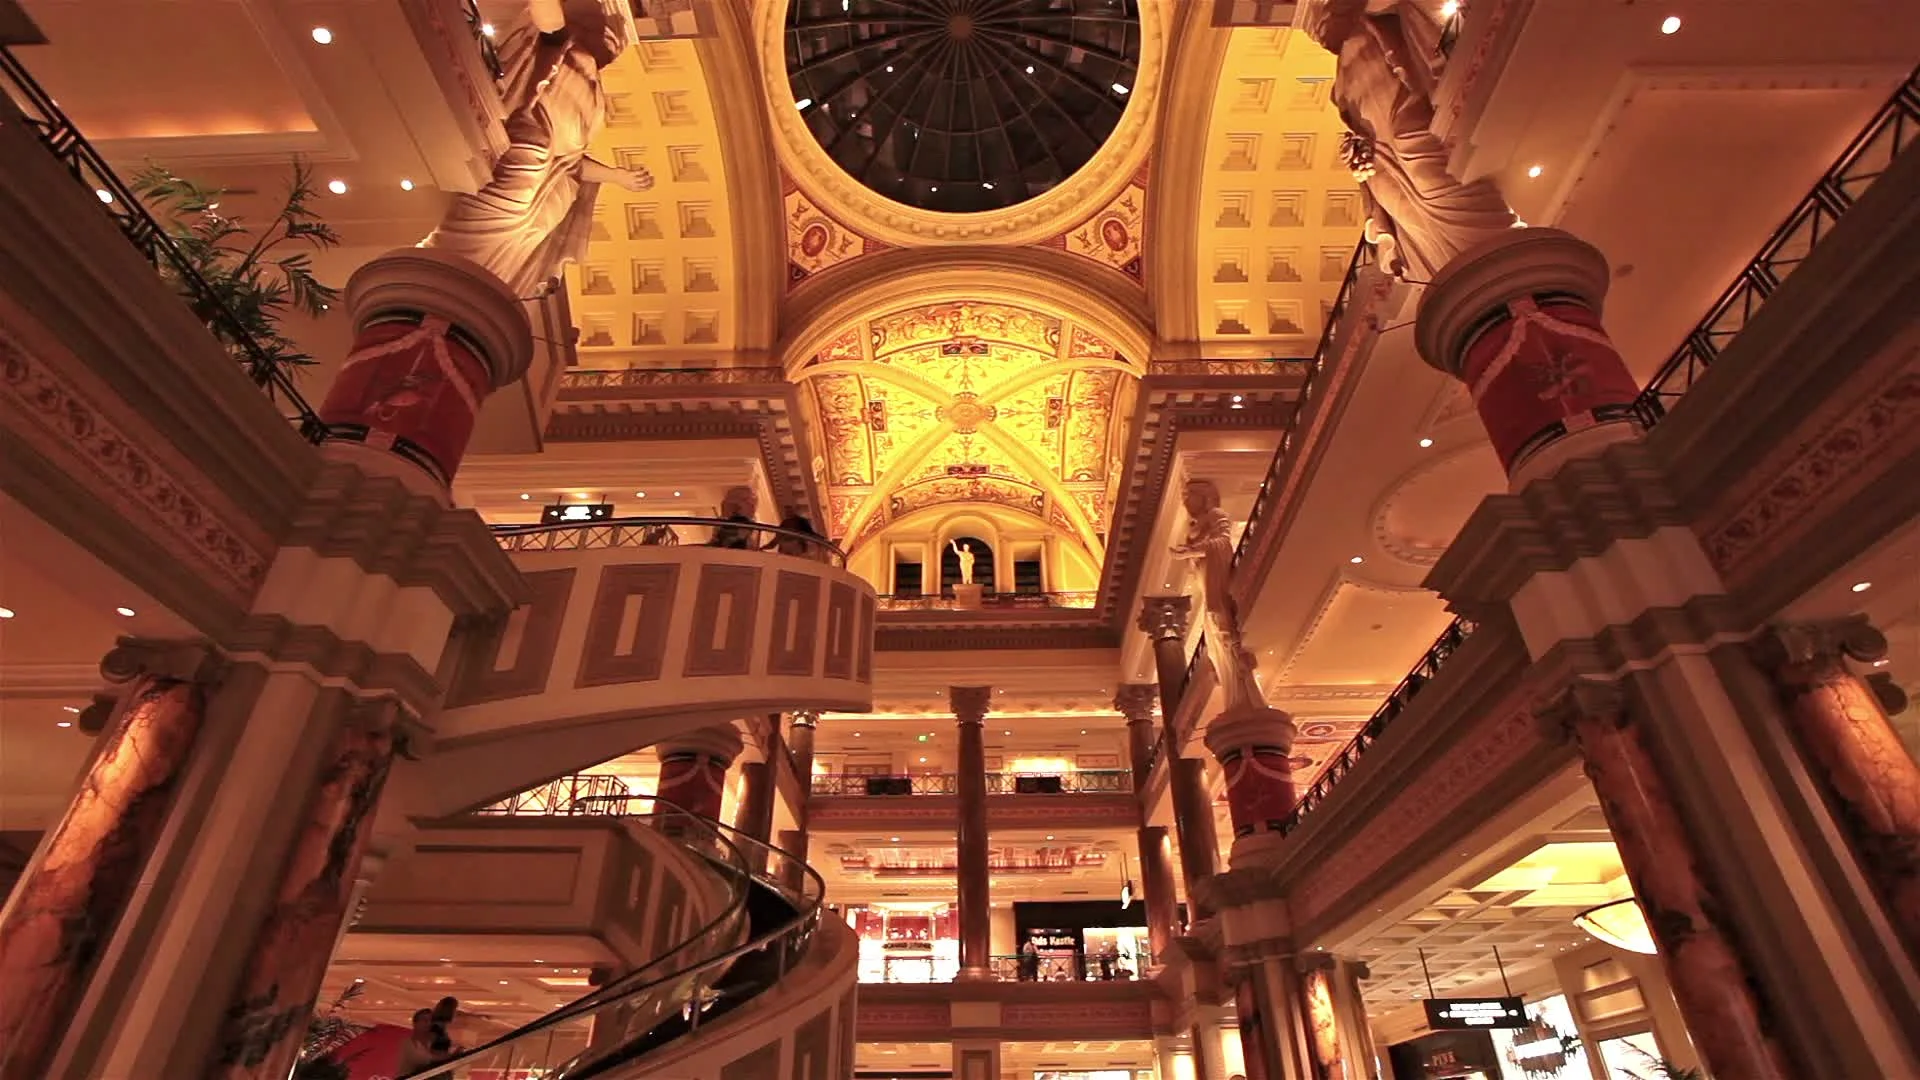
{"x": 906, "y": 943}
{"x": 1080, "y": 940}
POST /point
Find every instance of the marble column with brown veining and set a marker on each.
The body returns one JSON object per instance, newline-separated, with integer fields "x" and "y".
{"x": 800, "y": 738}
{"x": 1164, "y": 620}
{"x": 63, "y": 911}
{"x": 1844, "y": 732}
{"x": 1696, "y": 942}
{"x": 267, "y": 1018}
{"x": 975, "y": 882}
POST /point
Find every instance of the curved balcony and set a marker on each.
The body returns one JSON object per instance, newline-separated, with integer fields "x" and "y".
{"x": 635, "y": 634}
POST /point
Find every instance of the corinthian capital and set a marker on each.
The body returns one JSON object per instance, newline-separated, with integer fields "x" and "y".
{"x": 1797, "y": 650}
{"x": 1135, "y": 701}
{"x": 1165, "y": 616}
{"x": 970, "y": 702}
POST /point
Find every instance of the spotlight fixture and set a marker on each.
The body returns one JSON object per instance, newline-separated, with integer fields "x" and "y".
{"x": 1670, "y": 24}
{"x": 1119, "y": 89}
{"x": 1424, "y": 443}
{"x": 1533, "y": 171}
{"x": 1049, "y": 836}
{"x": 639, "y": 494}
{"x": 323, "y": 35}
{"x": 338, "y": 187}
{"x": 893, "y": 839}
{"x": 71, "y": 708}
{"x": 406, "y": 185}
{"x": 64, "y": 723}
{"x": 676, "y": 494}
{"x": 803, "y": 103}
{"x": 126, "y": 611}
{"x": 1862, "y": 586}
{"x": 524, "y": 496}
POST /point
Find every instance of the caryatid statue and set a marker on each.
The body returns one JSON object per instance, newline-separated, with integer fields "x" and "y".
{"x": 534, "y": 216}
{"x": 1210, "y": 546}
{"x": 1419, "y": 215}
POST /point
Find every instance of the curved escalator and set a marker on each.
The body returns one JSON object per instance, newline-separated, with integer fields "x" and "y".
{"x": 774, "y": 907}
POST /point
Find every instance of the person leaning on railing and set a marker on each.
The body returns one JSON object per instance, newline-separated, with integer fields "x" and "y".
{"x": 797, "y": 546}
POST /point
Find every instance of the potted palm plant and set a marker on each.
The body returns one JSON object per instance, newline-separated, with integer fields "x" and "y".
{"x": 257, "y": 274}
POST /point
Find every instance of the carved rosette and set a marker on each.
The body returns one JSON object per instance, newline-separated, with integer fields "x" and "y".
{"x": 1851, "y": 745}
{"x": 1709, "y": 978}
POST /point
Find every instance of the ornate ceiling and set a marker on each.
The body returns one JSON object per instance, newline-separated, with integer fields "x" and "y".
{"x": 968, "y": 403}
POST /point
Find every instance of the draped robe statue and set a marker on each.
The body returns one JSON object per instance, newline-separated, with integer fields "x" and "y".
{"x": 1419, "y": 215}
{"x": 534, "y": 215}
{"x": 1210, "y": 544}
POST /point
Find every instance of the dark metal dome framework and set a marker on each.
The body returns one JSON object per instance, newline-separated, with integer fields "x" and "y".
{"x": 962, "y": 105}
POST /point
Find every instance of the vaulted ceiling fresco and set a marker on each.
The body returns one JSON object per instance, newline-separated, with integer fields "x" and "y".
{"x": 968, "y": 403}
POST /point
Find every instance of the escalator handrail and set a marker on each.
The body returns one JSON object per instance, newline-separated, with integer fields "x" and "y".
{"x": 738, "y": 871}
{"x": 808, "y": 904}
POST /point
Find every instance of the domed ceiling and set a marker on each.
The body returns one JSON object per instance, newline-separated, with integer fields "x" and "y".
{"x": 968, "y": 403}
{"x": 961, "y": 105}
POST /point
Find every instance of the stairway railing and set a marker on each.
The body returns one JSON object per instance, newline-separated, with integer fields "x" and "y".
{"x": 670, "y": 998}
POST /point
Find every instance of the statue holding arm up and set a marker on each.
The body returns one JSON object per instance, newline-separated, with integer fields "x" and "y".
{"x": 1210, "y": 545}
{"x": 965, "y": 552}
{"x": 534, "y": 215}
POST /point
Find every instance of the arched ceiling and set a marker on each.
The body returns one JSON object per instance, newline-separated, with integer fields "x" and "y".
{"x": 955, "y": 403}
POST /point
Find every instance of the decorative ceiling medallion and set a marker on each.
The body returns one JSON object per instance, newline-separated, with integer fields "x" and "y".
{"x": 815, "y": 241}
{"x": 965, "y": 413}
{"x": 1114, "y": 236}
{"x": 960, "y": 106}
{"x": 1016, "y": 156}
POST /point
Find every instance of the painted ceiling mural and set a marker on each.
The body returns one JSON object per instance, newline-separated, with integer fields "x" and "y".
{"x": 960, "y": 403}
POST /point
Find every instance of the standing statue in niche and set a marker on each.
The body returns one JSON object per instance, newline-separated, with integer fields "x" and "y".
{"x": 966, "y": 555}
{"x": 1419, "y": 216}
{"x": 1210, "y": 544}
{"x": 534, "y": 216}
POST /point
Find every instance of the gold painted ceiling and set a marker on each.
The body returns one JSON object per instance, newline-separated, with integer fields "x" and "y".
{"x": 968, "y": 403}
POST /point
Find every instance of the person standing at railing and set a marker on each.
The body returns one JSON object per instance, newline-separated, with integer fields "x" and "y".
{"x": 737, "y": 508}
{"x": 797, "y": 546}
{"x": 1029, "y": 962}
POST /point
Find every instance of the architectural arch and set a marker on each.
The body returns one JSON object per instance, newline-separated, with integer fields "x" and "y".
{"x": 727, "y": 58}
{"x": 1173, "y": 201}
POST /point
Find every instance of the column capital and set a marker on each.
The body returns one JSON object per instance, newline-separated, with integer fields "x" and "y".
{"x": 1135, "y": 701}
{"x": 805, "y": 718}
{"x": 1581, "y": 699}
{"x": 183, "y": 661}
{"x": 1790, "y": 650}
{"x": 721, "y": 742}
{"x": 1489, "y": 276}
{"x": 970, "y": 702}
{"x": 1165, "y": 617}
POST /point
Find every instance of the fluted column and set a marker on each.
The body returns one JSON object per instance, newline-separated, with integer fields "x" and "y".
{"x": 1841, "y": 725}
{"x": 693, "y": 768}
{"x": 1703, "y": 962}
{"x": 1135, "y": 701}
{"x": 976, "y": 942}
{"x": 65, "y": 907}
{"x": 1164, "y": 619}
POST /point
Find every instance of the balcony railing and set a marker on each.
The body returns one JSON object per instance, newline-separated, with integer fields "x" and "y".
{"x": 482, "y": 32}
{"x": 668, "y": 532}
{"x": 1891, "y": 131}
{"x": 1409, "y": 688}
{"x": 991, "y": 601}
{"x": 1362, "y": 257}
{"x": 912, "y": 970}
{"x": 573, "y": 796}
{"x": 1078, "y": 782}
{"x": 64, "y": 141}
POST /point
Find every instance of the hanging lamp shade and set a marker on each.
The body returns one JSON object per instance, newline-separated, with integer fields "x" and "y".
{"x": 1621, "y": 924}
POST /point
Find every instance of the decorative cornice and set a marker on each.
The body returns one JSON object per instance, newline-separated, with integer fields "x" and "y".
{"x": 1577, "y": 513}
{"x": 387, "y": 529}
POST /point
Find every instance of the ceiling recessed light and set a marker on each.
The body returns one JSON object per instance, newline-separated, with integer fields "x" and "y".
{"x": 1533, "y": 170}
{"x": 1119, "y": 89}
{"x": 446, "y": 959}
{"x": 1029, "y": 69}
{"x": 923, "y": 759}
{"x": 1006, "y": 733}
{"x": 128, "y": 612}
{"x": 936, "y": 187}
{"x": 524, "y": 496}
{"x": 103, "y": 194}
{"x": 1083, "y": 731}
{"x": 1670, "y": 24}
{"x": 1049, "y": 836}
{"x": 64, "y": 723}
{"x": 889, "y": 69}
{"x": 1357, "y": 559}
{"x": 639, "y": 494}
{"x": 503, "y": 982}
{"x": 6, "y": 613}
{"x": 893, "y": 839}
{"x": 988, "y": 184}
{"x": 676, "y": 494}
{"x": 1862, "y": 586}
{"x": 338, "y": 187}
{"x": 323, "y": 35}
{"x": 803, "y": 103}
{"x": 856, "y": 734}
{"x": 1424, "y": 443}
{"x": 406, "y": 185}
{"x": 71, "y": 708}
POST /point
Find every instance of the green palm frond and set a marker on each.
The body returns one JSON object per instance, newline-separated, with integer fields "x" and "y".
{"x": 244, "y": 269}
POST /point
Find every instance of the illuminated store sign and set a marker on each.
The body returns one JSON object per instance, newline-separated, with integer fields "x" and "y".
{"x": 575, "y": 513}
{"x": 1454, "y": 1014}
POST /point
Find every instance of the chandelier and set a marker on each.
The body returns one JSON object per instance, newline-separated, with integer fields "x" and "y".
{"x": 1621, "y": 924}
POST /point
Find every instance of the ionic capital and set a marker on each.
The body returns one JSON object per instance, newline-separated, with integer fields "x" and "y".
{"x": 183, "y": 661}
{"x": 1165, "y": 617}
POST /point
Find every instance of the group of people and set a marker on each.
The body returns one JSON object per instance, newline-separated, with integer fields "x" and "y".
{"x": 1106, "y": 965}
{"x": 742, "y": 530}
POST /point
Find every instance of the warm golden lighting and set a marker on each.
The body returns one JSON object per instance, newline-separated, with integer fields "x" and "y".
{"x": 1621, "y": 924}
